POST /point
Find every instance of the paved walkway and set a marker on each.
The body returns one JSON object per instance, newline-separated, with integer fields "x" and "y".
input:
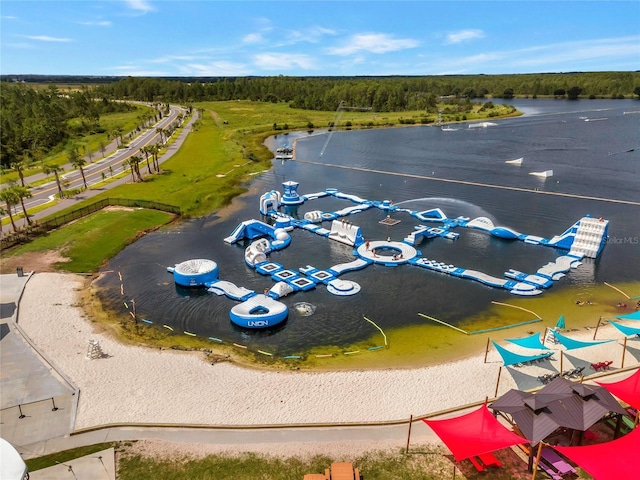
{"x": 37, "y": 402}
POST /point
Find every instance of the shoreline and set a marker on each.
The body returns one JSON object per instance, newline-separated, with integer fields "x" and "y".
{"x": 135, "y": 384}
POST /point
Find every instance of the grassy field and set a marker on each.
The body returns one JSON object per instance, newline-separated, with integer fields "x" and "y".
{"x": 89, "y": 242}
{"x": 422, "y": 463}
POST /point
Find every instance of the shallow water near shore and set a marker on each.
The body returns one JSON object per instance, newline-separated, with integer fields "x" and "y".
{"x": 402, "y": 166}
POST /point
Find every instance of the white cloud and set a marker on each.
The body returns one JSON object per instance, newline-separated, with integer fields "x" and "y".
{"x": 140, "y": 5}
{"x": 8, "y": 17}
{"x": 309, "y": 35}
{"x": 283, "y": 61}
{"x": 135, "y": 71}
{"x": 214, "y": 69}
{"x": 47, "y": 38}
{"x": 373, "y": 43}
{"x": 569, "y": 53}
{"x": 562, "y": 56}
{"x": 463, "y": 35}
{"x": 252, "y": 38}
{"x": 18, "y": 45}
{"x": 172, "y": 58}
{"x": 104, "y": 23}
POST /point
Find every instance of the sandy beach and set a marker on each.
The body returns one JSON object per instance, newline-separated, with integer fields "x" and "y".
{"x": 138, "y": 384}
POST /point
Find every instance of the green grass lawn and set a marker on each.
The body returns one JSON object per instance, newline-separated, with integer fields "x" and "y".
{"x": 92, "y": 240}
{"x": 66, "y": 455}
{"x": 428, "y": 462}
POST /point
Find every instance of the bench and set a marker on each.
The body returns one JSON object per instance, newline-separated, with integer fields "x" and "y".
{"x": 477, "y": 464}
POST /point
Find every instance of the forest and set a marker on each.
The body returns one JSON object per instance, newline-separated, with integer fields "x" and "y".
{"x": 383, "y": 94}
{"x": 33, "y": 121}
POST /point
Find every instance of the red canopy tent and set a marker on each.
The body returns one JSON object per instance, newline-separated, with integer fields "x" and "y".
{"x": 627, "y": 390}
{"x": 474, "y": 433}
{"x": 615, "y": 460}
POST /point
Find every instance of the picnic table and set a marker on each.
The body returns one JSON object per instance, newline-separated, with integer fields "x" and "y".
{"x": 556, "y": 461}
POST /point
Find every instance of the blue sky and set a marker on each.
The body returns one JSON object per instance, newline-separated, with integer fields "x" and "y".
{"x": 309, "y": 38}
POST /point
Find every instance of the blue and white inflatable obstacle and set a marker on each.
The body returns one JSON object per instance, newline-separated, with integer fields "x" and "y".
{"x": 195, "y": 273}
{"x": 259, "y": 311}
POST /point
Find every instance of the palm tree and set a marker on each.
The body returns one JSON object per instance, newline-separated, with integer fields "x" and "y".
{"x": 136, "y": 159}
{"x": 146, "y": 152}
{"x": 153, "y": 150}
{"x": 78, "y": 162}
{"x": 9, "y": 197}
{"x": 129, "y": 163}
{"x": 55, "y": 169}
{"x": 118, "y": 132}
{"x": 156, "y": 155}
{"x": 161, "y": 132}
{"x": 22, "y": 193}
{"x": 2, "y": 212}
{"x": 18, "y": 166}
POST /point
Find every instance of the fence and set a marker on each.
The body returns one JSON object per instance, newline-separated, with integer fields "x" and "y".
{"x": 29, "y": 232}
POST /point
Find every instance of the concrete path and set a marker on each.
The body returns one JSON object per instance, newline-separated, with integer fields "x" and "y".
{"x": 37, "y": 401}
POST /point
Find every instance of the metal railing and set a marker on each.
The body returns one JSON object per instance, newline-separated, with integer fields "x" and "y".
{"x": 36, "y": 229}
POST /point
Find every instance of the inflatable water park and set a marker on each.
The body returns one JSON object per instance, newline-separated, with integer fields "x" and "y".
{"x": 258, "y": 310}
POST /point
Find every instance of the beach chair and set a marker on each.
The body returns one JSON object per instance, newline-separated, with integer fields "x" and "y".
{"x": 578, "y": 371}
{"x": 544, "y": 378}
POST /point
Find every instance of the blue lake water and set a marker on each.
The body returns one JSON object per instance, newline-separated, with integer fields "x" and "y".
{"x": 593, "y": 147}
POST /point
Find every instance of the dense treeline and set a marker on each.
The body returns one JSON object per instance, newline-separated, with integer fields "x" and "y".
{"x": 380, "y": 93}
{"x": 34, "y": 121}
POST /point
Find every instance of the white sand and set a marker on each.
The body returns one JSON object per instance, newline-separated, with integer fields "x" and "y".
{"x": 136, "y": 384}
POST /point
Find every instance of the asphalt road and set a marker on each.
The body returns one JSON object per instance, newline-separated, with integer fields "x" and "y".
{"x": 109, "y": 166}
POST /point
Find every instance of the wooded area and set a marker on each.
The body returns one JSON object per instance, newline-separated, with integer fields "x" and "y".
{"x": 383, "y": 94}
{"x": 35, "y": 121}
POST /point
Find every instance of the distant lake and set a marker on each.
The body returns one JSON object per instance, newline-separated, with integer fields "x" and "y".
{"x": 592, "y": 146}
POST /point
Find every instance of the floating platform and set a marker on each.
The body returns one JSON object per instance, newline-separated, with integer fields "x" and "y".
{"x": 517, "y": 161}
{"x": 389, "y": 221}
{"x": 585, "y": 238}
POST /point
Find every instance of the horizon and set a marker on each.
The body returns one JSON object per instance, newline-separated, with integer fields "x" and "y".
{"x": 117, "y": 38}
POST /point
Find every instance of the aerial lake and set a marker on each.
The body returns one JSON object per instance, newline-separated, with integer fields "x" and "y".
{"x": 592, "y": 146}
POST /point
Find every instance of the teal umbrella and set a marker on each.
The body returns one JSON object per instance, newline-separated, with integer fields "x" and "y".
{"x": 560, "y": 323}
